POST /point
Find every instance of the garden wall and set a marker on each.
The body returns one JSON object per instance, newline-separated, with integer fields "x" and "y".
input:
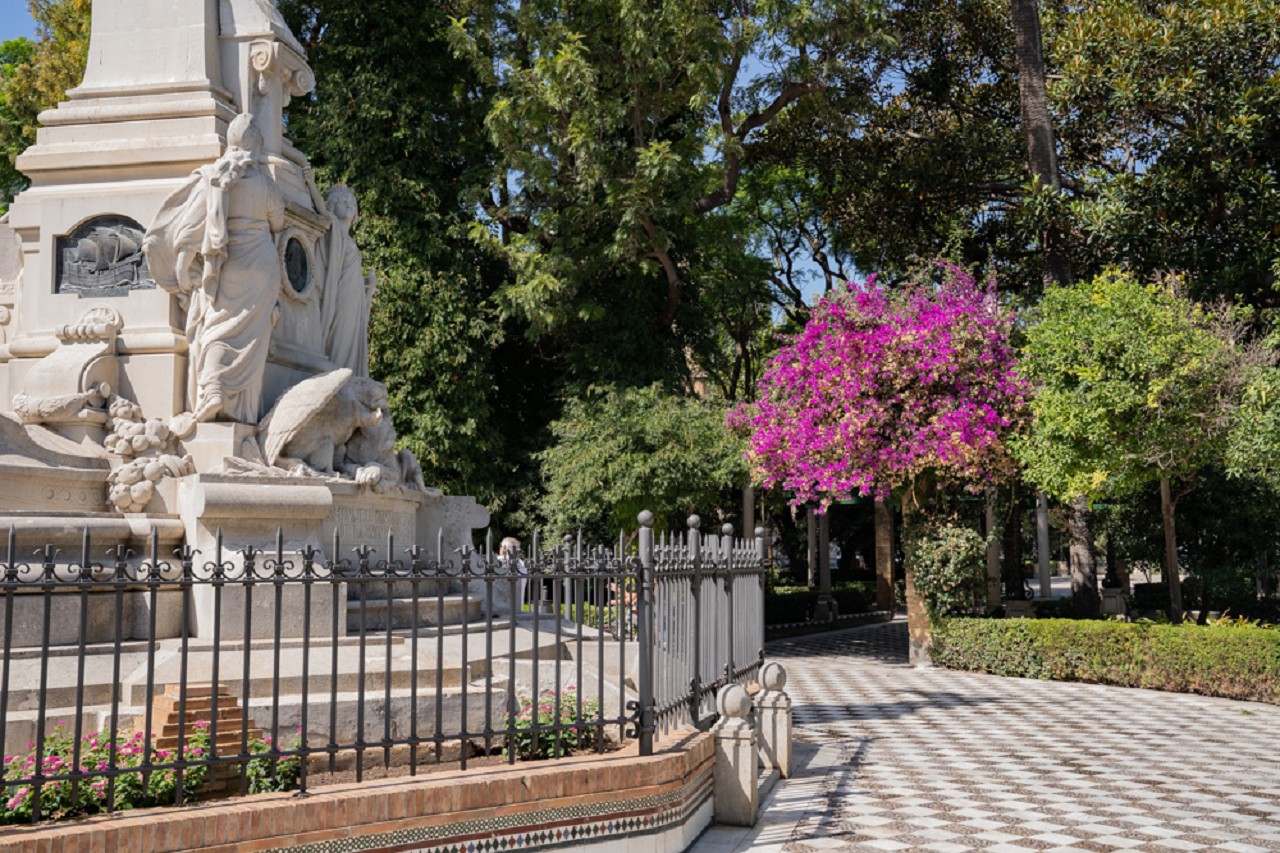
{"x": 660, "y": 802}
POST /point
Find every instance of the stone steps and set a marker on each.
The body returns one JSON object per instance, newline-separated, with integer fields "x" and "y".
{"x": 397, "y": 613}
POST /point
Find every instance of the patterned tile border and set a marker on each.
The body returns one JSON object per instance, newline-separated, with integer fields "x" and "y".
{"x": 547, "y": 829}
{"x": 570, "y": 804}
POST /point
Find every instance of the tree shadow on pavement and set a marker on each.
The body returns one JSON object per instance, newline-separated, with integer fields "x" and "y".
{"x": 886, "y": 643}
{"x": 813, "y": 715}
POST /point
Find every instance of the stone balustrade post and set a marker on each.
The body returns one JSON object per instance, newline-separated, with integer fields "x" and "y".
{"x": 773, "y": 719}
{"x": 737, "y": 775}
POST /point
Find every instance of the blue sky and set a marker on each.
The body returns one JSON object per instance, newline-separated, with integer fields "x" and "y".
{"x": 15, "y": 21}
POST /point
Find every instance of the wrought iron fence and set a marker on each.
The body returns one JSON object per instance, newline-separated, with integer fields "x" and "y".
{"x": 283, "y": 664}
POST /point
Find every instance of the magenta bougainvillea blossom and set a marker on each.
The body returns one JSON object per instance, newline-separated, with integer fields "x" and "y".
{"x": 884, "y": 385}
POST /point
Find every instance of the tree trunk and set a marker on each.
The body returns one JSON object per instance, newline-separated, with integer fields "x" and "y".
{"x": 918, "y": 638}
{"x": 1042, "y": 545}
{"x": 1172, "y": 578}
{"x": 993, "y": 552}
{"x": 1015, "y": 575}
{"x": 1037, "y": 125}
{"x": 826, "y": 608}
{"x": 884, "y": 555}
{"x": 812, "y": 530}
{"x": 1042, "y": 161}
{"x": 1084, "y": 564}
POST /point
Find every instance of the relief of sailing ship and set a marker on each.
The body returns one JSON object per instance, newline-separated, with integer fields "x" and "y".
{"x": 103, "y": 257}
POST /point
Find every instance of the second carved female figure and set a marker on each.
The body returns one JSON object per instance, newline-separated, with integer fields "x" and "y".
{"x": 347, "y": 292}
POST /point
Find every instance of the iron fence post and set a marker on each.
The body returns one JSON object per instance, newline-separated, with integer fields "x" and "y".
{"x": 644, "y": 605}
{"x": 726, "y": 548}
{"x": 695, "y": 683}
{"x": 762, "y": 561}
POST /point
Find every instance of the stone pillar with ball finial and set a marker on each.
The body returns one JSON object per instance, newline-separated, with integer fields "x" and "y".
{"x": 773, "y": 718}
{"x": 737, "y": 774}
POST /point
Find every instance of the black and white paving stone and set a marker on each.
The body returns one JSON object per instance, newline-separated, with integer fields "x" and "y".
{"x": 897, "y": 758}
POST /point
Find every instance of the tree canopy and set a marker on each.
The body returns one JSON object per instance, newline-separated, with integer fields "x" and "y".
{"x": 620, "y": 451}
{"x": 1133, "y": 382}
{"x": 621, "y": 131}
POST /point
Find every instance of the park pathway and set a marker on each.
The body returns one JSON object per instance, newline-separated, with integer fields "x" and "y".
{"x": 897, "y": 758}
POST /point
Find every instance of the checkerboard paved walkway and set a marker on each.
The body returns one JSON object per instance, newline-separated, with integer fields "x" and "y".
{"x": 895, "y": 758}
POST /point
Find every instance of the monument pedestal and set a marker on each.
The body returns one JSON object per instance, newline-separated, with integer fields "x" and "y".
{"x": 255, "y": 511}
{"x": 279, "y": 518}
{"x": 1113, "y": 602}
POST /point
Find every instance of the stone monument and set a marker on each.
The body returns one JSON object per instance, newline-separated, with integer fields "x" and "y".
{"x": 183, "y": 312}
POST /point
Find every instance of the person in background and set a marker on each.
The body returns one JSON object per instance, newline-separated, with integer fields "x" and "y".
{"x": 509, "y": 556}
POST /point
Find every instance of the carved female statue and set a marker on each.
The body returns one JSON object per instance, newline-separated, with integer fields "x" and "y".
{"x": 348, "y": 293}
{"x": 212, "y": 245}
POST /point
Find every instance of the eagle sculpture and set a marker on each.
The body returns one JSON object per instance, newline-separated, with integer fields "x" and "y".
{"x": 308, "y": 428}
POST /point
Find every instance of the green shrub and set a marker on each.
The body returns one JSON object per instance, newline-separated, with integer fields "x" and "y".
{"x": 272, "y": 773}
{"x": 785, "y": 605}
{"x": 949, "y": 563}
{"x": 1236, "y": 662}
{"x": 1054, "y": 608}
{"x": 546, "y": 713}
{"x": 1150, "y": 596}
{"x": 853, "y": 597}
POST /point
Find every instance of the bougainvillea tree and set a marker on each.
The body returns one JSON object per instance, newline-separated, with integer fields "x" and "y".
{"x": 899, "y": 390}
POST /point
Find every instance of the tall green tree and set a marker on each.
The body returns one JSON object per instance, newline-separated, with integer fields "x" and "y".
{"x": 1170, "y": 115}
{"x": 622, "y": 128}
{"x": 921, "y": 153}
{"x": 620, "y": 451}
{"x": 13, "y": 54}
{"x": 400, "y": 120}
{"x": 1136, "y": 384}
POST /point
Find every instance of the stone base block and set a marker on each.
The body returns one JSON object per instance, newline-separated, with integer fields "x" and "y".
{"x": 1016, "y": 609}
{"x": 99, "y": 606}
{"x": 266, "y": 620}
{"x": 213, "y": 443}
{"x": 1113, "y": 602}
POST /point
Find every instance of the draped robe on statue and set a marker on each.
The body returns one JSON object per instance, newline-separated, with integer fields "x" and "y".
{"x": 344, "y": 311}
{"x": 224, "y": 215}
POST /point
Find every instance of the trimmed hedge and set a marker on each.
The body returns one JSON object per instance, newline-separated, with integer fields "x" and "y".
{"x": 784, "y": 605}
{"x": 1236, "y": 662}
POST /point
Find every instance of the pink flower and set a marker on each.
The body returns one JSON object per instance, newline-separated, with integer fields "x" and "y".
{"x": 883, "y": 386}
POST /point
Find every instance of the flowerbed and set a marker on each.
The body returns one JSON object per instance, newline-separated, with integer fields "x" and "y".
{"x": 64, "y": 798}
{"x": 1235, "y": 662}
{"x": 116, "y": 780}
{"x": 578, "y": 726}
